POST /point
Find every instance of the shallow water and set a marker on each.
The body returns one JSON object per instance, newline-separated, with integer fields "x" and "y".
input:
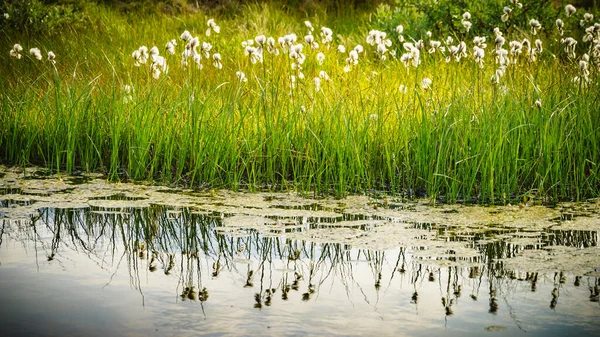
{"x": 80, "y": 256}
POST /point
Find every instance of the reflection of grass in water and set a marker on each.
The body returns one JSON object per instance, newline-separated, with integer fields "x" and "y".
{"x": 180, "y": 242}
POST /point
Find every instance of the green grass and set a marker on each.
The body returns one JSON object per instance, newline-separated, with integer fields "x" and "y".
{"x": 465, "y": 139}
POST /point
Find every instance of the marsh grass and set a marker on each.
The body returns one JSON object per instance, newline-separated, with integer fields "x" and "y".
{"x": 465, "y": 139}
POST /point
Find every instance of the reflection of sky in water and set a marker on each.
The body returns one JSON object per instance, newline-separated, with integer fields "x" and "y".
{"x": 97, "y": 284}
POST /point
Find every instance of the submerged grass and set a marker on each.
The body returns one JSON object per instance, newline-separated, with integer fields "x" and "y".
{"x": 464, "y": 138}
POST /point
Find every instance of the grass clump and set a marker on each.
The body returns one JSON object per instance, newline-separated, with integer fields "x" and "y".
{"x": 335, "y": 103}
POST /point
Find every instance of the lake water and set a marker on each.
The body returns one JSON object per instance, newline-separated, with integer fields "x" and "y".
{"x": 83, "y": 257}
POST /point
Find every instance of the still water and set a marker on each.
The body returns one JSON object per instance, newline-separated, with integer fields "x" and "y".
{"x": 83, "y": 257}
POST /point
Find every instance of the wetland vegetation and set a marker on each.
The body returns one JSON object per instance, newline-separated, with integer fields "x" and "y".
{"x": 490, "y": 101}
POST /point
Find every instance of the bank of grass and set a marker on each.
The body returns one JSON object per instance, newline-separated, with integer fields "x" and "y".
{"x": 464, "y": 139}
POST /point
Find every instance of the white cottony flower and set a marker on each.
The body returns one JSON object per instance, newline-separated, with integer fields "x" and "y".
{"x": 467, "y": 25}
{"x": 136, "y": 57}
{"x": 560, "y": 26}
{"x": 535, "y": 26}
{"x": 309, "y": 25}
{"x": 416, "y": 57}
{"x": 271, "y": 46}
{"x": 212, "y": 25}
{"x": 399, "y": 29}
{"x": 241, "y": 76}
{"x": 570, "y": 10}
{"x": 217, "y": 61}
{"x": 341, "y": 48}
{"x": 247, "y": 43}
{"x": 197, "y": 59}
{"x": 359, "y": 49}
{"x": 170, "y": 47}
{"x": 506, "y": 15}
{"x": 320, "y": 58}
{"x": 449, "y": 41}
{"x": 570, "y": 44}
{"x": 323, "y": 75}
{"x": 186, "y": 36}
{"x": 35, "y": 52}
{"x": 479, "y": 42}
{"x": 497, "y": 32}
{"x": 206, "y": 47}
{"x": 517, "y": 3}
{"x": 159, "y": 64}
{"x": 402, "y": 89}
{"x": 326, "y": 36}
{"x": 51, "y": 57}
{"x": 429, "y": 34}
{"x": 153, "y": 53}
{"x": 516, "y": 48}
{"x": 587, "y": 17}
{"x": 143, "y": 55}
{"x": 127, "y": 93}
{"x": 434, "y": 46}
{"x": 478, "y": 55}
{"x": 538, "y": 46}
{"x": 426, "y": 83}
{"x": 466, "y": 16}
{"x": 16, "y": 51}
{"x": 538, "y": 103}
{"x": 589, "y": 34}
{"x": 310, "y": 40}
{"x": 192, "y": 45}
{"x": 260, "y": 40}
{"x": 293, "y": 81}
{"x": 499, "y": 42}
{"x": 255, "y": 54}
{"x": 353, "y": 56}
{"x": 317, "y": 81}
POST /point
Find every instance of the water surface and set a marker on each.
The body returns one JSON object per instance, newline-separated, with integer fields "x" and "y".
{"x": 80, "y": 256}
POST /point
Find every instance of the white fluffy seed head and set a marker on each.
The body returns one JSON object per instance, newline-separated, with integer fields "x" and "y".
{"x": 35, "y": 52}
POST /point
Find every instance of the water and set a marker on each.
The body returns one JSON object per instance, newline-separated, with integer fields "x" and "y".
{"x": 85, "y": 257}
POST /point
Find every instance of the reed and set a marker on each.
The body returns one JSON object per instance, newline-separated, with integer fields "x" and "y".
{"x": 369, "y": 123}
